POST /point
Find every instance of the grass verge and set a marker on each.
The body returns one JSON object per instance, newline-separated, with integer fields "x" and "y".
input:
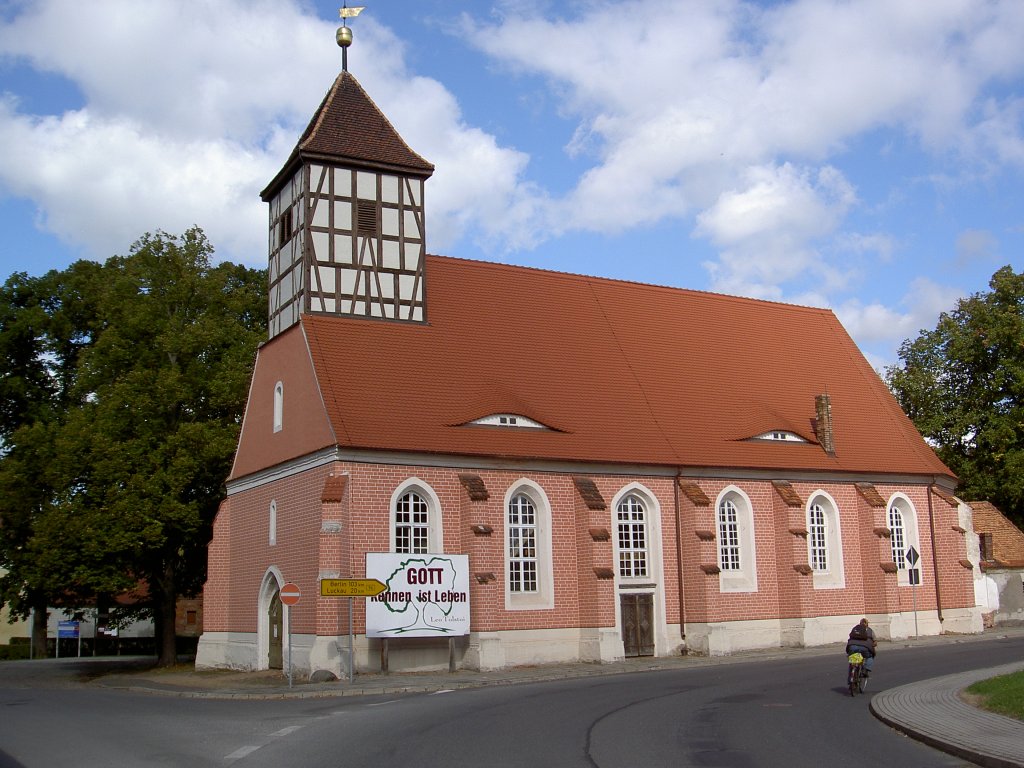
{"x": 1003, "y": 694}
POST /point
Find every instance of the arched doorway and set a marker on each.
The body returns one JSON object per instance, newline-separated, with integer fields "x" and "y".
{"x": 270, "y": 622}
{"x": 275, "y": 627}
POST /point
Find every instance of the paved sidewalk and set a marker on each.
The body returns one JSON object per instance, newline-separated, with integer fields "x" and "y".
{"x": 932, "y": 711}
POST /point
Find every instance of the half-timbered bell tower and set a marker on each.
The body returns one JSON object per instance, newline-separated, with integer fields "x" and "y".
{"x": 347, "y": 220}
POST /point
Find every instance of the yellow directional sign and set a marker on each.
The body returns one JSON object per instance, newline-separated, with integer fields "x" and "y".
{"x": 351, "y": 587}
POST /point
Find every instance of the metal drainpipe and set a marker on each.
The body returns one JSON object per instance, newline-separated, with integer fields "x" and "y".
{"x": 935, "y": 555}
{"x": 679, "y": 563}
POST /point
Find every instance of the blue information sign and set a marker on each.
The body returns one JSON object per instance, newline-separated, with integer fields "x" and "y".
{"x": 67, "y": 629}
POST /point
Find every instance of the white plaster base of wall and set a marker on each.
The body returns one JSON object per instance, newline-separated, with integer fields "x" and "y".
{"x": 226, "y": 650}
{"x": 723, "y": 638}
{"x": 498, "y": 650}
{"x": 963, "y": 621}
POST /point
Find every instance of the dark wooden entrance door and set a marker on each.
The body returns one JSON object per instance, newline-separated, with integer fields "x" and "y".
{"x": 637, "y": 624}
{"x": 275, "y": 616}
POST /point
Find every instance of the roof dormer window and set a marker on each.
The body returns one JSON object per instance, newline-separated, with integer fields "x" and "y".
{"x": 781, "y": 436}
{"x": 511, "y": 420}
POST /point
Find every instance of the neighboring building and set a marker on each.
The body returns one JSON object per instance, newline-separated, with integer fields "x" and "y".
{"x": 8, "y": 629}
{"x": 631, "y": 469}
{"x": 1001, "y": 561}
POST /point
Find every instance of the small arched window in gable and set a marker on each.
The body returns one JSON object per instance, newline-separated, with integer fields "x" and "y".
{"x": 278, "y": 406}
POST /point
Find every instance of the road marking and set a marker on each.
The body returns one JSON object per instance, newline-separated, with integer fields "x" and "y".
{"x": 238, "y": 754}
{"x": 382, "y": 703}
{"x": 447, "y": 690}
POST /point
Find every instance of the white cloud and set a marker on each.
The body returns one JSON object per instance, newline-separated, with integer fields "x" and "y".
{"x": 732, "y": 117}
{"x": 975, "y": 245}
{"x": 679, "y": 110}
{"x": 191, "y": 107}
{"x": 881, "y": 329}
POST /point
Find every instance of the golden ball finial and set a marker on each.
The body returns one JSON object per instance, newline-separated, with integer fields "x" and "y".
{"x": 344, "y": 36}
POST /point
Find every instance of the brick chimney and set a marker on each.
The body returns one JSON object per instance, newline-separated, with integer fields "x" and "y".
{"x": 823, "y": 423}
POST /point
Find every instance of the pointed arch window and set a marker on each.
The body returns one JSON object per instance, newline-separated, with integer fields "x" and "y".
{"x": 902, "y": 520}
{"x": 416, "y": 523}
{"x": 412, "y": 519}
{"x": 824, "y": 542}
{"x": 631, "y": 517}
{"x": 529, "y": 583}
{"x": 818, "y": 537}
{"x": 898, "y": 533}
{"x": 728, "y": 535}
{"x": 737, "y": 559}
{"x": 522, "y": 544}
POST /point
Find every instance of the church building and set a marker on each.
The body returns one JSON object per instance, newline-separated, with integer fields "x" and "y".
{"x": 619, "y": 469}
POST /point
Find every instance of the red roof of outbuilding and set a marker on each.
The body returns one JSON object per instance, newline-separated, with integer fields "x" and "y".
{"x": 621, "y": 372}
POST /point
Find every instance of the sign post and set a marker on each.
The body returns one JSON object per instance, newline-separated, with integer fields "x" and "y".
{"x": 290, "y": 596}
{"x": 915, "y": 579}
{"x": 351, "y": 588}
{"x": 69, "y": 629}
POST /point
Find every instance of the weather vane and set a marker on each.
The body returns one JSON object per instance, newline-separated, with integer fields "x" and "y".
{"x": 344, "y": 34}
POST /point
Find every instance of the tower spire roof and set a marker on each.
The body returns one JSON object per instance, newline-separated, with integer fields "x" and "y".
{"x": 349, "y": 128}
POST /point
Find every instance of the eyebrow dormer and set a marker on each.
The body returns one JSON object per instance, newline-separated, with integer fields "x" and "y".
{"x": 508, "y": 420}
{"x": 780, "y": 436}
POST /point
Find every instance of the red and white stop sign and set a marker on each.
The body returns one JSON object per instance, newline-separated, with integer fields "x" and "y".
{"x": 290, "y": 594}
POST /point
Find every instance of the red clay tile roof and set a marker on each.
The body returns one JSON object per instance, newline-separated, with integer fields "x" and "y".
{"x": 350, "y": 129}
{"x": 1007, "y": 538}
{"x": 625, "y": 372}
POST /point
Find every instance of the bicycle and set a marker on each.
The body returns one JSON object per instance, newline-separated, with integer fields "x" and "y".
{"x": 857, "y": 675}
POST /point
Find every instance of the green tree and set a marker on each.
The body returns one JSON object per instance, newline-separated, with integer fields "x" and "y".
{"x": 45, "y": 322}
{"x": 963, "y": 386}
{"x": 135, "y": 466}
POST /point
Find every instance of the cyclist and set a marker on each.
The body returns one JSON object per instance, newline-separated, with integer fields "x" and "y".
{"x": 862, "y": 641}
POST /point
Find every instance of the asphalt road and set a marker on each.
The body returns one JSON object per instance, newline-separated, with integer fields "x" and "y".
{"x": 791, "y": 712}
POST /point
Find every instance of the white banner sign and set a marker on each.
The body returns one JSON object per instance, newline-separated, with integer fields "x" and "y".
{"x": 426, "y": 595}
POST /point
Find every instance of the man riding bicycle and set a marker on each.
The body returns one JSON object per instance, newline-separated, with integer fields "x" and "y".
{"x": 862, "y": 641}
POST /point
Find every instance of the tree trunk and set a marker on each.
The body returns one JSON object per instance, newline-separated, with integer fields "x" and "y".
{"x": 39, "y": 617}
{"x": 164, "y": 605}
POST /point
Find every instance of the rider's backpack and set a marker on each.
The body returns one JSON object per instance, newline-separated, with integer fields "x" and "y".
{"x": 859, "y": 632}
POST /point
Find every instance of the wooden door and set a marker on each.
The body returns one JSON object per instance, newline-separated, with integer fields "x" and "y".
{"x": 275, "y": 616}
{"x": 637, "y": 624}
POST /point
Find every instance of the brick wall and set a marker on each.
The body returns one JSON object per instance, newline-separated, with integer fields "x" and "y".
{"x": 241, "y": 553}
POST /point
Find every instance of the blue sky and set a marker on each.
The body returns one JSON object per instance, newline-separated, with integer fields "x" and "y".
{"x": 862, "y": 156}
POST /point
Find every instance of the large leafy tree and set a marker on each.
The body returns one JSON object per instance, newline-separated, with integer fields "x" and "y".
{"x": 137, "y": 464}
{"x": 963, "y": 385}
{"x": 45, "y": 322}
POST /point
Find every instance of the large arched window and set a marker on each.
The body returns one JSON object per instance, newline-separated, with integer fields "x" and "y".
{"x": 817, "y": 528}
{"x": 522, "y": 544}
{"x": 631, "y": 523}
{"x": 898, "y": 534}
{"x": 824, "y": 542}
{"x": 415, "y": 519}
{"x": 902, "y": 519}
{"x": 529, "y": 583}
{"x": 735, "y": 533}
{"x": 411, "y": 523}
{"x": 729, "y": 552}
